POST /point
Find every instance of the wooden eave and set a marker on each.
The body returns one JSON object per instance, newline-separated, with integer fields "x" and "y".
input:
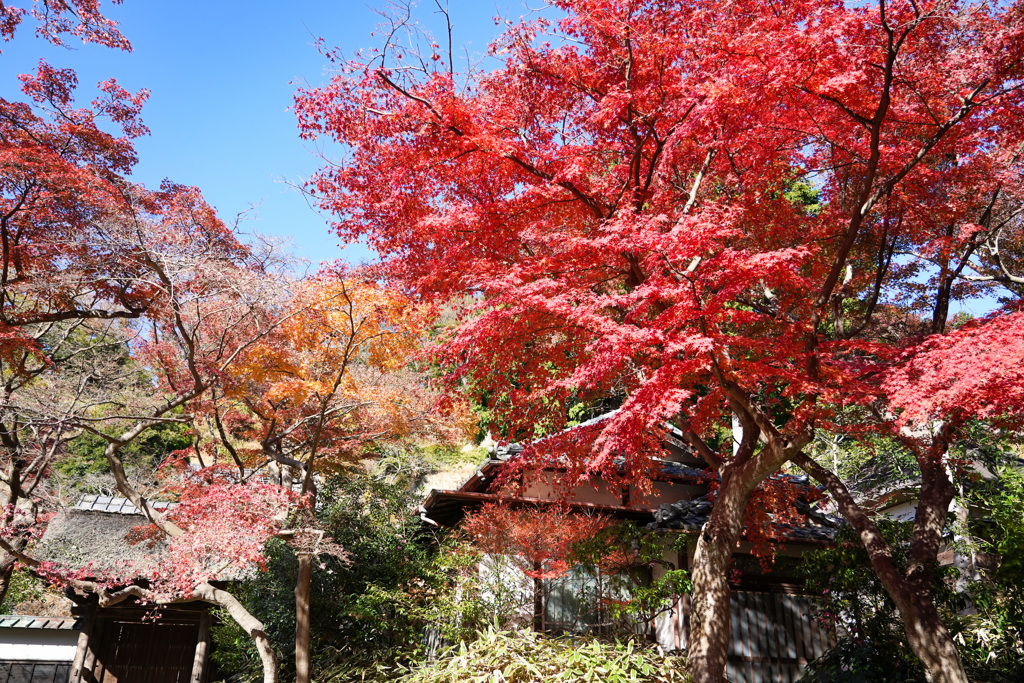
{"x": 447, "y": 508}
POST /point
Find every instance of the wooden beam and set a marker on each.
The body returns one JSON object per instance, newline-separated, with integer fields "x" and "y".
{"x": 92, "y": 651}
{"x": 78, "y": 664}
{"x": 202, "y": 650}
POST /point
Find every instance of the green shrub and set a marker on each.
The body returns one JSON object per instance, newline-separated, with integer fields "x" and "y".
{"x": 85, "y": 453}
{"x": 23, "y": 587}
{"x": 526, "y": 657}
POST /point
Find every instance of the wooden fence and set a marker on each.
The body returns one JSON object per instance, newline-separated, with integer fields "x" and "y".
{"x": 774, "y": 636}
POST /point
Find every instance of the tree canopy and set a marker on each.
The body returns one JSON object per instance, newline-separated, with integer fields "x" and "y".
{"x": 620, "y": 202}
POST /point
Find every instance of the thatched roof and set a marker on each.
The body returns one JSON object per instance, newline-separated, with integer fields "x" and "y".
{"x": 79, "y": 537}
{"x": 95, "y": 533}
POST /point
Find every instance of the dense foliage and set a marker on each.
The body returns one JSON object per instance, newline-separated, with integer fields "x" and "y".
{"x": 373, "y": 607}
{"x": 614, "y": 204}
{"x": 984, "y": 610}
{"x": 526, "y": 657}
{"x": 743, "y": 220}
{"x": 85, "y": 453}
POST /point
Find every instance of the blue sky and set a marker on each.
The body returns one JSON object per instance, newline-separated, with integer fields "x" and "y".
{"x": 221, "y": 75}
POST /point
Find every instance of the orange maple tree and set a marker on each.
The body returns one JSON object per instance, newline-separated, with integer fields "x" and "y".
{"x": 307, "y": 400}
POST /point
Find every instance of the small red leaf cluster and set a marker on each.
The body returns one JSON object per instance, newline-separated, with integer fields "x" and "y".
{"x": 539, "y": 540}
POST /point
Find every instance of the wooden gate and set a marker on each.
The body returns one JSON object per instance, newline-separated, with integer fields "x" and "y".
{"x": 774, "y": 636}
{"x": 130, "y": 646}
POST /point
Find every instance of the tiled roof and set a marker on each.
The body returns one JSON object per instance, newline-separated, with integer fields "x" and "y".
{"x": 114, "y": 504}
{"x": 51, "y": 623}
{"x": 690, "y": 515}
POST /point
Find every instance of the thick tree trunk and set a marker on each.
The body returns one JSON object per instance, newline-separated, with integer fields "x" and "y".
{"x": 932, "y": 644}
{"x": 926, "y": 634}
{"x": 710, "y": 619}
{"x": 302, "y": 635}
{"x": 249, "y": 623}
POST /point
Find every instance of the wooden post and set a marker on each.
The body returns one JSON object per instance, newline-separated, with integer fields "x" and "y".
{"x": 302, "y": 628}
{"x": 202, "y": 649}
{"x": 83, "y": 645}
{"x": 538, "y": 601}
{"x": 92, "y": 651}
{"x": 99, "y": 668}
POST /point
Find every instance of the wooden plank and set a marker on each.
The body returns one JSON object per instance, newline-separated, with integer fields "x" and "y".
{"x": 761, "y": 659}
{"x": 764, "y": 624}
{"x": 749, "y": 628}
{"x": 787, "y": 624}
{"x": 751, "y": 649}
{"x": 808, "y": 629}
{"x": 760, "y": 616}
{"x": 166, "y": 615}
{"x": 776, "y": 636}
{"x": 778, "y": 625}
{"x": 135, "y": 658}
{"x": 106, "y": 651}
{"x": 736, "y": 635}
{"x": 817, "y": 637}
{"x": 798, "y": 631}
{"x": 98, "y": 670}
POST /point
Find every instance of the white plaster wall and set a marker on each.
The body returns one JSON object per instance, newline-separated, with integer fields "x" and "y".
{"x": 669, "y": 492}
{"x": 904, "y": 512}
{"x": 668, "y": 625}
{"x": 538, "y": 486}
{"x": 37, "y": 644}
{"x": 543, "y": 486}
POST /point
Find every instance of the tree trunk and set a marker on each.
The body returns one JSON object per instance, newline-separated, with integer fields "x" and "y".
{"x": 249, "y": 623}
{"x": 302, "y": 647}
{"x": 932, "y": 643}
{"x": 710, "y": 616}
{"x": 926, "y": 634}
{"x": 538, "y": 600}
{"x": 6, "y": 571}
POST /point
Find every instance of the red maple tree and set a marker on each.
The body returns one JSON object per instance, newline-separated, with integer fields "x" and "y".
{"x": 696, "y": 210}
{"x": 56, "y": 19}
